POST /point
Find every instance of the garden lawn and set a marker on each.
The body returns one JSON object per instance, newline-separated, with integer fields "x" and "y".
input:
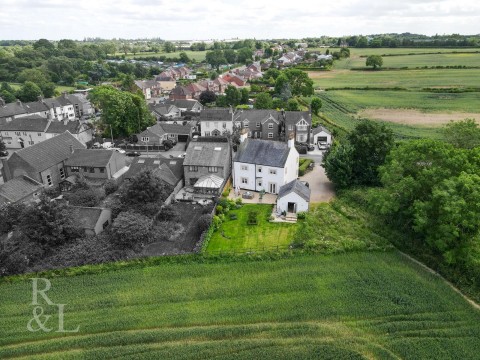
{"x": 237, "y": 235}
{"x": 348, "y": 306}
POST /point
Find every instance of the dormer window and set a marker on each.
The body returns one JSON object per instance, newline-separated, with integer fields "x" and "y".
{"x": 302, "y": 125}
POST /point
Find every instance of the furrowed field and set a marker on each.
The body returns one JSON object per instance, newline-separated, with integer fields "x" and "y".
{"x": 353, "y": 306}
{"x": 413, "y": 102}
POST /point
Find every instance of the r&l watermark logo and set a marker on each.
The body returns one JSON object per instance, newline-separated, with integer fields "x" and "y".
{"x": 39, "y": 320}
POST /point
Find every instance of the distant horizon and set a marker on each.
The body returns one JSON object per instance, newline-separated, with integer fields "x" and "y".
{"x": 280, "y": 19}
{"x": 210, "y": 40}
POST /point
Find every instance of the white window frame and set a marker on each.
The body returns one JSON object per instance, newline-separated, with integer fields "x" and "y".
{"x": 270, "y": 135}
{"x": 272, "y": 171}
{"x": 244, "y": 167}
{"x": 145, "y": 139}
{"x": 244, "y": 180}
{"x": 270, "y": 126}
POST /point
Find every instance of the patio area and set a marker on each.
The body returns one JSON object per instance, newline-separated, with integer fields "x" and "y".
{"x": 266, "y": 199}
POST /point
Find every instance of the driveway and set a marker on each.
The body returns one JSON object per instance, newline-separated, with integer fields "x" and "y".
{"x": 321, "y": 188}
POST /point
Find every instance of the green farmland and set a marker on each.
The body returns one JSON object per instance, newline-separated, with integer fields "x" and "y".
{"x": 409, "y": 79}
{"x": 351, "y": 306}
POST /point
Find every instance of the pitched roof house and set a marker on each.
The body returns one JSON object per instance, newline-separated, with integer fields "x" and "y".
{"x": 264, "y": 164}
{"x": 20, "y": 189}
{"x": 156, "y": 134}
{"x": 96, "y": 164}
{"x": 43, "y": 162}
{"x": 216, "y": 122}
{"x": 293, "y": 197}
{"x": 207, "y": 160}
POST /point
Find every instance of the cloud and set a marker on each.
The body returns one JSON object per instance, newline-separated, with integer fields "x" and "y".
{"x": 55, "y": 19}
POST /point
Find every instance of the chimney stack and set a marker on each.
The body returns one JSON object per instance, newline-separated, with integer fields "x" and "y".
{"x": 40, "y": 98}
{"x": 291, "y": 140}
{"x": 243, "y": 135}
{"x": 71, "y": 149}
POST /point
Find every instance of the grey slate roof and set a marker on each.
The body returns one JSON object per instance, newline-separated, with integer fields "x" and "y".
{"x": 33, "y": 123}
{"x": 181, "y": 103}
{"x": 256, "y": 115}
{"x": 12, "y": 109}
{"x": 215, "y": 115}
{"x": 19, "y": 188}
{"x": 319, "y": 129}
{"x": 58, "y": 127}
{"x": 207, "y": 153}
{"x": 293, "y": 117}
{"x": 45, "y": 154}
{"x": 297, "y": 187}
{"x": 169, "y": 170}
{"x": 35, "y": 107}
{"x": 90, "y": 157}
{"x": 263, "y": 152}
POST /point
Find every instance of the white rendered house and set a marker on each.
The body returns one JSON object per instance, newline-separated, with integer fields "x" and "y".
{"x": 293, "y": 197}
{"x": 264, "y": 164}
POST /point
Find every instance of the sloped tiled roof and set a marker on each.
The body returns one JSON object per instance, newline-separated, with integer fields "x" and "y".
{"x": 90, "y": 157}
{"x": 297, "y": 187}
{"x": 169, "y": 170}
{"x": 35, "y": 107}
{"x": 45, "y": 154}
{"x": 293, "y": 117}
{"x": 216, "y": 115}
{"x": 256, "y": 115}
{"x": 58, "y": 127}
{"x": 33, "y": 123}
{"x": 203, "y": 153}
{"x": 319, "y": 129}
{"x": 12, "y": 109}
{"x": 19, "y": 188}
{"x": 263, "y": 152}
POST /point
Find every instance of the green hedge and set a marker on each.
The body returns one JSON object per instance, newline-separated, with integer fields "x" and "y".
{"x": 304, "y": 166}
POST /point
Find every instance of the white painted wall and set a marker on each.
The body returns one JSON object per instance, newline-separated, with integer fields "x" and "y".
{"x": 207, "y": 127}
{"x": 322, "y": 133}
{"x": 261, "y": 180}
{"x": 282, "y": 203}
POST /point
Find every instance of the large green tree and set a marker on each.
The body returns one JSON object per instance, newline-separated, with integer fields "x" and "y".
{"x": 316, "y": 105}
{"x": 462, "y": 134}
{"x": 299, "y": 82}
{"x": 263, "y": 101}
{"x": 215, "y": 58}
{"x": 367, "y": 147}
{"x": 125, "y": 112}
{"x": 29, "y": 91}
{"x": 374, "y": 61}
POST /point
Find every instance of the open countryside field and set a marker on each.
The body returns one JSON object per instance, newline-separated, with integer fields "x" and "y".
{"x": 398, "y": 51}
{"x": 413, "y": 61}
{"x": 59, "y": 88}
{"x": 351, "y": 306}
{"x": 409, "y": 79}
{"x": 237, "y": 235}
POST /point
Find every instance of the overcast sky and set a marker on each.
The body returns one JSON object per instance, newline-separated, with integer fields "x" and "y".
{"x": 223, "y": 19}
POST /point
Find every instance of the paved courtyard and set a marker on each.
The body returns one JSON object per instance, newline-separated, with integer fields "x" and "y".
{"x": 322, "y": 189}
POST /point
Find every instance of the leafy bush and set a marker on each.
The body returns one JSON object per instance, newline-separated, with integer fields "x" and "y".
{"x": 110, "y": 187}
{"x": 304, "y": 166}
{"x": 252, "y": 218}
{"x": 239, "y": 201}
{"x": 168, "y": 213}
{"x": 203, "y": 222}
{"x": 219, "y": 209}
{"x": 301, "y": 215}
{"x": 233, "y": 216}
{"x": 85, "y": 197}
{"x": 130, "y": 229}
{"x": 216, "y": 222}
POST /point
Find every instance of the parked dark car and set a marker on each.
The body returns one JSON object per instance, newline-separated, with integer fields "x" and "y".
{"x": 310, "y": 147}
{"x": 133, "y": 153}
{"x": 302, "y": 149}
{"x": 3, "y": 153}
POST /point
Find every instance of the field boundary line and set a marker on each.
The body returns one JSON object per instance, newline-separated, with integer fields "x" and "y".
{"x": 453, "y": 287}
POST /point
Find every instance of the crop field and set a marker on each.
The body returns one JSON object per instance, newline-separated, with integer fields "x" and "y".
{"x": 59, "y": 88}
{"x": 350, "y": 306}
{"x": 237, "y": 235}
{"x": 399, "y": 51}
{"x": 409, "y": 79}
{"x": 413, "y": 61}
{"x": 343, "y": 113}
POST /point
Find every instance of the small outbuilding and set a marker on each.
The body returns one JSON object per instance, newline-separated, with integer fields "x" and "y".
{"x": 293, "y": 197}
{"x": 321, "y": 135}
